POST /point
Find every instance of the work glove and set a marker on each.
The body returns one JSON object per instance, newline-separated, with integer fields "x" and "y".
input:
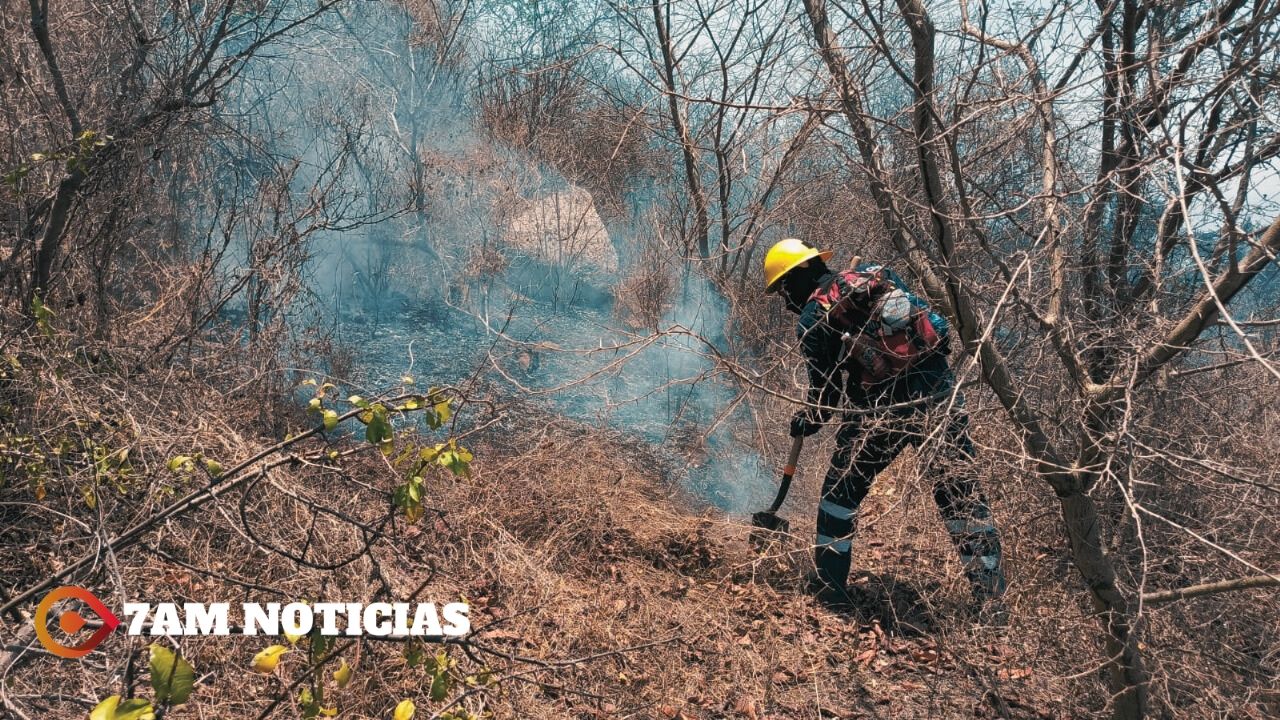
{"x": 803, "y": 424}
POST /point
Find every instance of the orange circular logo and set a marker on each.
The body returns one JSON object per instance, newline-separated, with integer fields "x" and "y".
{"x": 71, "y": 622}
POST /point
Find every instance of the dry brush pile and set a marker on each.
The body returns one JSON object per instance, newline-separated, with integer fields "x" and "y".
{"x": 596, "y": 590}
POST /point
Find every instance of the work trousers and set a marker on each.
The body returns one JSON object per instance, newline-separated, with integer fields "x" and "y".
{"x": 865, "y": 445}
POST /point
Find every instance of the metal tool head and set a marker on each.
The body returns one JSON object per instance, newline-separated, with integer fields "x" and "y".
{"x": 769, "y": 520}
{"x": 767, "y": 528}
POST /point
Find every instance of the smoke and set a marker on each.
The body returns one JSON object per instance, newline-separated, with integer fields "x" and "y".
{"x": 451, "y": 255}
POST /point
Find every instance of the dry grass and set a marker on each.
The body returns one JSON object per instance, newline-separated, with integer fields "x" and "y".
{"x": 644, "y": 295}
{"x": 596, "y": 591}
{"x": 616, "y": 563}
{"x": 574, "y": 554}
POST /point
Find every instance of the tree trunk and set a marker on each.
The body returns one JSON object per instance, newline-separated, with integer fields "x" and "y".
{"x": 701, "y": 218}
{"x": 54, "y": 229}
{"x": 1127, "y": 675}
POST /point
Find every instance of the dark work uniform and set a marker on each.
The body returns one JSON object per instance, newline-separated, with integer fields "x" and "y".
{"x": 867, "y": 442}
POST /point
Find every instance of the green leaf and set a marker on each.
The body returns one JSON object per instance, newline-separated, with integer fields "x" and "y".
{"x": 456, "y": 459}
{"x": 440, "y": 681}
{"x": 172, "y": 677}
{"x": 444, "y": 410}
{"x": 440, "y": 686}
{"x": 480, "y": 679}
{"x": 214, "y": 467}
{"x": 342, "y": 676}
{"x": 408, "y": 497}
{"x": 358, "y": 401}
{"x": 105, "y": 710}
{"x": 40, "y": 310}
{"x": 314, "y": 405}
{"x": 413, "y": 654}
{"x": 400, "y": 496}
{"x": 378, "y": 429}
{"x": 438, "y": 663}
{"x": 330, "y": 419}
{"x": 132, "y": 709}
{"x": 320, "y": 644}
{"x": 179, "y": 462}
{"x": 310, "y": 706}
{"x": 404, "y": 711}
{"x": 43, "y": 315}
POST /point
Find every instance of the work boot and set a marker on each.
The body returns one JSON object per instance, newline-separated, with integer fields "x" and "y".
{"x": 831, "y": 570}
{"x": 834, "y": 597}
{"x": 979, "y": 545}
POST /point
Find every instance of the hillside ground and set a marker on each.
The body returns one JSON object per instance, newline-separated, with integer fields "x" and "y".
{"x": 599, "y": 587}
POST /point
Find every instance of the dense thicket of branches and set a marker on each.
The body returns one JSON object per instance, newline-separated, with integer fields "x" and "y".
{"x": 1084, "y": 188}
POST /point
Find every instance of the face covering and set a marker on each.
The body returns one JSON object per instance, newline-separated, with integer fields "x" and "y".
{"x": 799, "y": 284}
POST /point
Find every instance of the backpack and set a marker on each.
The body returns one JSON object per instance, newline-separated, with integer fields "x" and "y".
{"x": 885, "y": 328}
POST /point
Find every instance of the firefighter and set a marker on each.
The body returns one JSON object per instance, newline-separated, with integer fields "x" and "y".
{"x": 877, "y": 355}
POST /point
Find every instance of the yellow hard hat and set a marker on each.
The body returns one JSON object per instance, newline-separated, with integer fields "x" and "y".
{"x": 784, "y": 256}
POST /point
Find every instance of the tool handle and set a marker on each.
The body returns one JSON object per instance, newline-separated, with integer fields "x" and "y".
{"x": 797, "y": 444}
{"x": 793, "y": 457}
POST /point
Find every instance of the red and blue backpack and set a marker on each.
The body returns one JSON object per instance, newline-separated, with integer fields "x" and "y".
{"x": 886, "y": 329}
